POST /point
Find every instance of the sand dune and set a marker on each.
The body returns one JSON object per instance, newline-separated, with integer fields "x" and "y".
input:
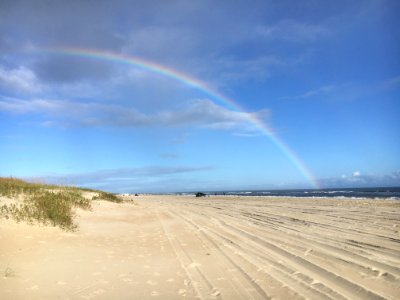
{"x": 170, "y": 247}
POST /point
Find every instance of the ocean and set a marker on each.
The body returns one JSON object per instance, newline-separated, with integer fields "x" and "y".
{"x": 380, "y": 192}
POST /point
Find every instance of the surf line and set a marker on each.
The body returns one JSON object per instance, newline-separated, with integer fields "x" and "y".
{"x": 194, "y": 83}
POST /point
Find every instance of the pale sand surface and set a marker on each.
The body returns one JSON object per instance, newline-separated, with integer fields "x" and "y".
{"x": 171, "y": 247}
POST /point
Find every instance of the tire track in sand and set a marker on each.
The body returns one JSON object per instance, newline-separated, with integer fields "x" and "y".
{"x": 306, "y": 268}
{"x": 199, "y": 281}
{"x": 206, "y": 238}
{"x": 300, "y": 285}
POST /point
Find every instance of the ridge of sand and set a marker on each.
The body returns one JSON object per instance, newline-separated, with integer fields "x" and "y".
{"x": 172, "y": 247}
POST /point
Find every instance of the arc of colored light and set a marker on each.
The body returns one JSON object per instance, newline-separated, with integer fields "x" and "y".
{"x": 195, "y": 83}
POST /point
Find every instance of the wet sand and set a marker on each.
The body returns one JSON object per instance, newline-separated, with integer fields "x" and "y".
{"x": 175, "y": 247}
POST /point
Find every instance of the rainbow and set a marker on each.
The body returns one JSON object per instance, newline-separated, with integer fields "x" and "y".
{"x": 194, "y": 83}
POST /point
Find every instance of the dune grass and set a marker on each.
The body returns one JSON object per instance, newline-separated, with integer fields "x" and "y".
{"x": 46, "y": 204}
{"x": 107, "y": 196}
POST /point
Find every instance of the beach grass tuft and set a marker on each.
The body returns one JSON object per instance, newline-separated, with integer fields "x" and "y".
{"x": 46, "y": 204}
{"x": 107, "y": 196}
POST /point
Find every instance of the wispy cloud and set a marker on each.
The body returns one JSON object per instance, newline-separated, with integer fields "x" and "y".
{"x": 63, "y": 69}
{"x": 335, "y": 92}
{"x": 349, "y": 91}
{"x": 169, "y": 155}
{"x": 226, "y": 70}
{"x": 20, "y": 78}
{"x": 118, "y": 179}
{"x": 197, "y": 113}
{"x": 153, "y": 40}
{"x": 180, "y": 139}
{"x": 320, "y": 91}
{"x": 43, "y": 106}
{"x": 292, "y": 30}
{"x": 391, "y": 83}
{"x": 248, "y": 134}
{"x": 358, "y": 179}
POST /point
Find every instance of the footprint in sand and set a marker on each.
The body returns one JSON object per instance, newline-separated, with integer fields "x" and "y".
{"x": 154, "y": 293}
{"x": 170, "y": 280}
{"x": 98, "y": 292}
{"x": 93, "y": 294}
{"x": 150, "y": 282}
{"x": 33, "y": 288}
{"x": 382, "y": 274}
{"x": 194, "y": 265}
{"x": 182, "y": 292}
{"x": 315, "y": 282}
{"x": 216, "y": 293}
{"x": 308, "y": 252}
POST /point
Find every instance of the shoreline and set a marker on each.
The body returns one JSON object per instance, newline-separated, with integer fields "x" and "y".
{"x": 369, "y": 193}
{"x": 271, "y": 196}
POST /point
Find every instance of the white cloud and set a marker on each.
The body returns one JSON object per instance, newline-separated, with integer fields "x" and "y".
{"x": 324, "y": 90}
{"x": 292, "y": 30}
{"x": 153, "y": 40}
{"x": 336, "y": 92}
{"x": 329, "y": 91}
{"x": 130, "y": 178}
{"x": 201, "y": 113}
{"x": 228, "y": 69}
{"x": 198, "y": 113}
{"x": 41, "y": 106}
{"x": 357, "y": 179}
{"x": 20, "y": 78}
{"x": 248, "y": 134}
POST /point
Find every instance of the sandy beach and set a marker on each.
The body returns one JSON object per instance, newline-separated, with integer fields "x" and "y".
{"x": 181, "y": 247}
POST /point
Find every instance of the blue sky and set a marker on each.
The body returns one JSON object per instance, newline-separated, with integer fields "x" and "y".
{"x": 324, "y": 77}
